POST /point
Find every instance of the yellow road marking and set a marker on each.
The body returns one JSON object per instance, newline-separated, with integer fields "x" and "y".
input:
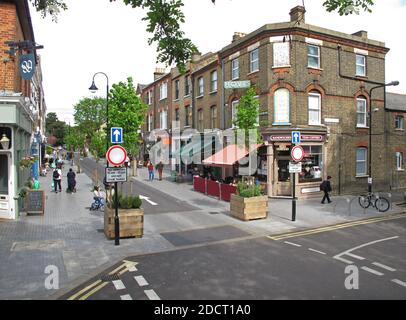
{"x": 73, "y": 297}
{"x": 100, "y": 286}
{"x": 335, "y": 227}
{"x": 126, "y": 265}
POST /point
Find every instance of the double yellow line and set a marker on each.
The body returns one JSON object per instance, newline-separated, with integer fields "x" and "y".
{"x": 99, "y": 284}
{"x": 335, "y": 227}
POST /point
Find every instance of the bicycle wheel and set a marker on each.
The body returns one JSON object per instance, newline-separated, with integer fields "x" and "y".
{"x": 382, "y": 204}
{"x": 364, "y": 201}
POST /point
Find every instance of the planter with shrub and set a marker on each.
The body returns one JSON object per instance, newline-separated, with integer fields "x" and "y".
{"x": 249, "y": 203}
{"x": 131, "y": 217}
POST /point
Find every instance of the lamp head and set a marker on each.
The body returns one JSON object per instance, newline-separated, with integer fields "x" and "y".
{"x": 393, "y": 83}
{"x": 5, "y": 142}
{"x": 93, "y": 87}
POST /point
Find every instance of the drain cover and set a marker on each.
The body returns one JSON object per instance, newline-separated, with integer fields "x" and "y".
{"x": 214, "y": 212}
{"x": 110, "y": 277}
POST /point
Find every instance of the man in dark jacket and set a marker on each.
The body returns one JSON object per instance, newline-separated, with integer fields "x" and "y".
{"x": 326, "y": 188}
{"x": 71, "y": 181}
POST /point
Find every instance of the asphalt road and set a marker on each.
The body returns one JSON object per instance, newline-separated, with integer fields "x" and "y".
{"x": 164, "y": 203}
{"x": 311, "y": 266}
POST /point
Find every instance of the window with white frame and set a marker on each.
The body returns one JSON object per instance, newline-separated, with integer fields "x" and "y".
{"x": 257, "y": 123}
{"x": 188, "y": 116}
{"x": 187, "y": 85}
{"x": 254, "y": 60}
{"x": 313, "y": 56}
{"x": 149, "y": 97}
{"x": 176, "y": 89}
{"x": 314, "y": 102}
{"x": 361, "y": 112}
{"x": 399, "y": 123}
{"x": 234, "y": 112}
{"x": 213, "y": 81}
{"x": 235, "y": 69}
{"x": 213, "y": 117}
{"x": 163, "y": 119}
{"x": 281, "y": 54}
{"x": 361, "y": 162}
{"x": 163, "y": 91}
{"x": 200, "y": 120}
{"x": 281, "y": 106}
{"x": 360, "y": 64}
{"x": 150, "y": 119}
{"x": 200, "y": 87}
{"x": 399, "y": 160}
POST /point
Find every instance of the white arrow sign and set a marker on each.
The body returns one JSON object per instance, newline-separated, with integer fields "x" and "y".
{"x": 147, "y": 200}
{"x": 117, "y": 134}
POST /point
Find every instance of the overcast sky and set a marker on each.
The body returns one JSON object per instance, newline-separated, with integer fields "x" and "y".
{"x": 96, "y": 35}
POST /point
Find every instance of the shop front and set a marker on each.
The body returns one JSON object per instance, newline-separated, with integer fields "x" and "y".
{"x": 279, "y": 156}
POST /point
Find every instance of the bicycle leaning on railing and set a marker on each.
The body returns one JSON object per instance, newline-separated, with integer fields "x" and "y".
{"x": 378, "y": 202}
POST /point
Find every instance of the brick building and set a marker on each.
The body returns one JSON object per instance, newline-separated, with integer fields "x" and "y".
{"x": 22, "y": 104}
{"x": 308, "y": 79}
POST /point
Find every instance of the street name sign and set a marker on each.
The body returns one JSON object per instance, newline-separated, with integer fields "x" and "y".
{"x": 116, "y": 134}
{"x": 116, "y": 174}
{"x": 295, "y": 167}
{"x": 237, "y": 84}
{"x": 116, "y": 155}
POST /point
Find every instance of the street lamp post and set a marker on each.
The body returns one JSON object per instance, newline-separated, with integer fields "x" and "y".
{"x": 93, "y": 89}
{"x": 393, "y": 83}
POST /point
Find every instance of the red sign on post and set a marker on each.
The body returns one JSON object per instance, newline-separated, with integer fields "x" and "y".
{"x": 297, "y": 153}
{"x": 116, "y": 155}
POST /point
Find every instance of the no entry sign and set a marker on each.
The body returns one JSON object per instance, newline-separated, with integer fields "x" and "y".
{"x": 297, "y": 153}
{"x": 116, "y": 155}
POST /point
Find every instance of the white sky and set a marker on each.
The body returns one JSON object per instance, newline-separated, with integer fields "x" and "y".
{"x": 96, "y": 35}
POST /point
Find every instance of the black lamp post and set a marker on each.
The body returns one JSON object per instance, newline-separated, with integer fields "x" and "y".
{"x": 93, "y": 89}
{"x": 393, "y": 83}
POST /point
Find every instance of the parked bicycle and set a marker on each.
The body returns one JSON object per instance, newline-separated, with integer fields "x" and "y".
{"x": 378, "y": 202}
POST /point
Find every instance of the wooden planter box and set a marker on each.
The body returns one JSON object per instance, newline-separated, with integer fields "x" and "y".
{"x": 249, "y": 208}
{"x": 131, "y": 223}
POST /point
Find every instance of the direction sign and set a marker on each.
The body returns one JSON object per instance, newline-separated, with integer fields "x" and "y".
{"x": 297, "y": 153}
{"x": 295, "y": 167}
{"x": 116, "y": 134}
{"x": 116, "y": 155}
{"x": 237, "y": 84}
{"x": 116, "y": 174}
{"x": 295, "y": 136}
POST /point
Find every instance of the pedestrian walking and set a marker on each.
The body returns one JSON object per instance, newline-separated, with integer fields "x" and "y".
{"x": 57, "y": 177}
{"x": 325, "y": 186}
{"x": 150, "y": 171}
{"x": 160, "y": 168}
{"x": 71, "y": 181}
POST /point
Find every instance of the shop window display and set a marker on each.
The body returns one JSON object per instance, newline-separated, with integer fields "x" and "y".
{"x": 312, "y": 164}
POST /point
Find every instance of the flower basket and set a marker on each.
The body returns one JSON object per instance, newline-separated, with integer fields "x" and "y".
{"x": 27, "y": 162}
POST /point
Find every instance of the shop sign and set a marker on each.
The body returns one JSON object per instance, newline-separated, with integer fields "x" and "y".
{"x": 280, "y": 138}
{"x": 282, "y": 147}
{"x": 310, "y": 190}
{"x": 303, "y": 138}
{"x": 318, "y": 137}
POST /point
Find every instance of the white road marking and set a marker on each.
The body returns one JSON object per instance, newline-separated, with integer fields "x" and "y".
{"x": 152, "y": 295}
{"x": 147, "y": 200}
{"x": 126, "y": 297}
{"x": 403, "y": 284}
{"x": 347, "y": 252}
{"x": 141, "y": 281}
{"x": 383, "y": 266}
{"x": 133, "y": 269}
{"x": 355, "y": 256}
{"x": 321, "y": 252}
{"x": 293, "y": 244}
{"x": 118, "y": 284}
{"x": 372, "y": 271}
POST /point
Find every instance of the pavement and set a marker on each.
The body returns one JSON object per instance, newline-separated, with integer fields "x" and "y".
{"x": 71, "y": 237}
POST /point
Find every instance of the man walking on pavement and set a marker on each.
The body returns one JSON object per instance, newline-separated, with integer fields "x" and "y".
{"x": 325, "y": 186}
{"x": 160, "y": 168}
{"x": 57, "y": 176}
{"x": 150, "y": 171}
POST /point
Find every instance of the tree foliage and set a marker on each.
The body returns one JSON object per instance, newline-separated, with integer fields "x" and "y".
{"x": 55, "y": 127}
{"x": 90, "y": 114}
{"x": 75, "y": 139}
{"x": 165, "y": 17}
{"x": 127, "y": 110}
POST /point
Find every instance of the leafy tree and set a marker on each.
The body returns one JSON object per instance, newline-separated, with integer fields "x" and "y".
{"x": 75, "y": 139}
{"x": 127, "y": 110}
{"x": 165, "y": 16}
{"x": 55, "y": 127}
{"x": 90, "y": 115}
{"x": 97, "y": 145}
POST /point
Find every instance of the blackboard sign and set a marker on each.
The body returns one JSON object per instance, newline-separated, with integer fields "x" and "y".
{"x": 35, "y": 201}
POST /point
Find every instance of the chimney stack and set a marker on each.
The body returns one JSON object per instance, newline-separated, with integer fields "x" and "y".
{"x": 159, "y": 72}
{"x": 297, "y": 14}
{"x": 362, "y": 34}
{"x": 238, "y": 35}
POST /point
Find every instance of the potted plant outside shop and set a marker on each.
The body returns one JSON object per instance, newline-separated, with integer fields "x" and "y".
{"x": 130, "y": 214}
{"x": 249, "y": 203}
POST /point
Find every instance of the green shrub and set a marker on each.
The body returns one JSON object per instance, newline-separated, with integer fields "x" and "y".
{"x": 136, "y": 202}
{"x": 126, "y": 202}
{"x": 248, "y": 191}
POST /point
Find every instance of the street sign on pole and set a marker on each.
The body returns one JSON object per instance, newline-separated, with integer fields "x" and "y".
{"x": 237, "y": 84}
{"x": 297, "y": 153}
{"x": 295, "y": 167}
{"x": 116, "y": 155}
{"x": 295, "y": 136}
{"x": 116, "y": 174}
{"x": 116, "y": 134}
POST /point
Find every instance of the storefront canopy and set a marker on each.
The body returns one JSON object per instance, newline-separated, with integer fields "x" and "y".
{"x": 191, "y": 148}
{"x": 229, "y": 155}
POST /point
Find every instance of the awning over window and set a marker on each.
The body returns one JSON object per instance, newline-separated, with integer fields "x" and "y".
{"x": 229, "y": 155}
{"x": 192, "y": 148}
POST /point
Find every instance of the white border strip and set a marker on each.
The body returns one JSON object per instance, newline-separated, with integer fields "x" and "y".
{"x": 141, "y": 281}
{"x": 372, "y": 271}
{"x": 314, "y": 41}
{"x": 383, "y": 266}
{"x": 152, "y": 295}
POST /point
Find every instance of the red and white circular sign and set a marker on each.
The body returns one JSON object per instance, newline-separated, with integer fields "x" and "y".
{"x": 116, "y": 155}
{"x": 297, "y": 153}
